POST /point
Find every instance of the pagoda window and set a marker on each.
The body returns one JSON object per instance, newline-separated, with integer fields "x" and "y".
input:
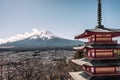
{"x": 91, "y": 38}
{"x": 100, "y": 39}
{"x": 88, "y": 54}
{"x": 105, "y": 70}
{"x": 92, "y": 69}
{"x": 103, "y": 35}
{"x": 104, "y": 53}
{"x": 103, "y": 39}
{"x": 91, "y": 53}
{"x": 88, "y": 69}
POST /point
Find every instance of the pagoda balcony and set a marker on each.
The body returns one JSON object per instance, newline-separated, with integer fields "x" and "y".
{"x": 102, "y": 71}
{"x": 115, "y": 56}
{"x": 103, "y": 74}
{"x": 102, "y": 42}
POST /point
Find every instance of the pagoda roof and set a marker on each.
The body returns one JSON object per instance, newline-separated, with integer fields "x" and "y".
{"x": 79, "y": 75}
{"x": 89, "y": 32}
{"x": 104, "y": 46}
{"x": 99, "y": 46}
{"x": 96, "y": 63}
{"x": 103, "y": 29}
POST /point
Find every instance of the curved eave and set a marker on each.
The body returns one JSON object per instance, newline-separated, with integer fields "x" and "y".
{"x": 77, "y": 75}
{"x": 87, "y": 33}
{"x": 103, "y": 47}
{"x": 95, "y": 63}
{"x": 116, "y": 34}
{"x": 98, "y": 46}
{"x": 79, "y": 62}
{"x": 79, "y": 47}
{"x": 83, "y": 35}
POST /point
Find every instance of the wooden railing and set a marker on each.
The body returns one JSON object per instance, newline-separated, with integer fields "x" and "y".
{"x": 102, "y": 42}
{"x": 102, "y": 74}
{"x": 107, "y": 42}
{"x": 115, "y": 56}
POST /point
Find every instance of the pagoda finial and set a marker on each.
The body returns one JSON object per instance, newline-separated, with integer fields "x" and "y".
{"x": 99, "y": 12}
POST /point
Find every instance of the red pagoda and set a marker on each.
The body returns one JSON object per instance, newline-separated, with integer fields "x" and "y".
{"x": 101, "y": 60}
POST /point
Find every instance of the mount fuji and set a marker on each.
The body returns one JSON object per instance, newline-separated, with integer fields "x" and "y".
{"x": 37, "y": 39}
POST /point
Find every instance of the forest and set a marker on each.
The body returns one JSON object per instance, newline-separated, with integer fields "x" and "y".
{"x": 35, "y": 65}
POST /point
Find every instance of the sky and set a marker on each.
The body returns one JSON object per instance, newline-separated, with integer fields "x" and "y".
{"x": 64, "y": 18}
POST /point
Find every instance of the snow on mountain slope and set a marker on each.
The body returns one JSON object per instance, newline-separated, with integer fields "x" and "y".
{"x": 38, "y": 39}
{"x": 33, "y": 35}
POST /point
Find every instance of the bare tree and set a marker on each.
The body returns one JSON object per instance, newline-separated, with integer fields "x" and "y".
{"x": 1, "y": 67}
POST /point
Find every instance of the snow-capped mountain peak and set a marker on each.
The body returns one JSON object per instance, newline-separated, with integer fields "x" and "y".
{"x": 42, "y": 34}
{"x": 37, "y": 39}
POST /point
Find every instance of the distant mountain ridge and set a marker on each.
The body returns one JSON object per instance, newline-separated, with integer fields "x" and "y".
{"x": 34, "y": 34}
{"x": 38, "y": 39}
